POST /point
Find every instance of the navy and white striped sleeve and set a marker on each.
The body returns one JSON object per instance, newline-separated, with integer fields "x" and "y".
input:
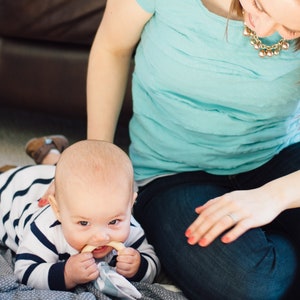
{"x": 150, "y": 265}
{"x": 20, "y": 191}
{"x": 39, "y": 264}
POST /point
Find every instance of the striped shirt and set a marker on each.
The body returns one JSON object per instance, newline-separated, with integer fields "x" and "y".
{"x": 36, "y": 235}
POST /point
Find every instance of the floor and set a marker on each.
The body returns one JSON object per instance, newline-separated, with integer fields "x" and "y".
{"x": 18, "y": 126}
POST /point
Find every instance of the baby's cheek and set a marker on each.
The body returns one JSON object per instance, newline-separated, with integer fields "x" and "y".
{"x": 75, "y": 240}
{"x": 122, "y": 234}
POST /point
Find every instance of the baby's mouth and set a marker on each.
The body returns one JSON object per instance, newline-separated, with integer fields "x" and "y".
{"x": 100, "y": 249}
{"x": 116, "y": 245}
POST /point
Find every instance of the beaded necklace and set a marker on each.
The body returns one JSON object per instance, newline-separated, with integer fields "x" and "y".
{"x": 263, "y": 49}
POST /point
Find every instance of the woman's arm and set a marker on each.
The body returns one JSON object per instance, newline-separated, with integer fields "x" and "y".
{"x": 109, "y": 63}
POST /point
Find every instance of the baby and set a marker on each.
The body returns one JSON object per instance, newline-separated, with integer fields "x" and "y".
{"x": 94, "y": 194}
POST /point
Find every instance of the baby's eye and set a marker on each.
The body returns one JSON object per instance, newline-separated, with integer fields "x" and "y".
{"x": 83, "y": 223}
{"x": 114, "y": 222}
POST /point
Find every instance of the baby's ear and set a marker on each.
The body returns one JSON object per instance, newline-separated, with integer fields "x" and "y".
{"x": 54, "y": 206}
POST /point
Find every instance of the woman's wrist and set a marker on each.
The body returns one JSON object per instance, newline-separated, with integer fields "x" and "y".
{"x": 285, "y": 191}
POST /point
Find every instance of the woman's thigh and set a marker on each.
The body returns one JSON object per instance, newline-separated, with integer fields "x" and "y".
{"x": 256, "y": 266}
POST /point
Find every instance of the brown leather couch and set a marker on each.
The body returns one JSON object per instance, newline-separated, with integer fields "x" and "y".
{"x": 44, "y": 48}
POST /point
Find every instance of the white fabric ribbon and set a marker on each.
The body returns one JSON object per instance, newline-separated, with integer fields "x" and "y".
{"x": 113, "y": 284}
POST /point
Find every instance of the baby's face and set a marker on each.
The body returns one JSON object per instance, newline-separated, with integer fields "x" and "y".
{"x": 96, "y": 217}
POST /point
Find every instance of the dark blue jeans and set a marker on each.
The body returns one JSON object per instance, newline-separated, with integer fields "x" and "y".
{"x": 262, "y": 264}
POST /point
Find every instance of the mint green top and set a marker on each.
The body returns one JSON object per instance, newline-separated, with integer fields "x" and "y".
{"x": 204, "y": 100}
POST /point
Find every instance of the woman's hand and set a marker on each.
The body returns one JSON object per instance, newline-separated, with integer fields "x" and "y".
{"x": 128, "y": 262}
{"x": 237, "y": 211}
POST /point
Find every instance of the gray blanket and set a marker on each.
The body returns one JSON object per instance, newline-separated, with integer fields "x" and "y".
{"x": 10, "y": 289}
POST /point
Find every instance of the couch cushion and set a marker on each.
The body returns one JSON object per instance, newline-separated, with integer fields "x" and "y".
{"x": 70, "y": 21}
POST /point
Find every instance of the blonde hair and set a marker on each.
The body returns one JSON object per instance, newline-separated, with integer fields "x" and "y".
{"x": 236, "y": 7}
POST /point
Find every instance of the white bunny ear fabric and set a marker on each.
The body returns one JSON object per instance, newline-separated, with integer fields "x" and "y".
{"x": 113, "y": 284}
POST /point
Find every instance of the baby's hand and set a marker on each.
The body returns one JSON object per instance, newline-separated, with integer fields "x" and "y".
{"x": 128, "y": 262}
{"x": 80, "y": 268}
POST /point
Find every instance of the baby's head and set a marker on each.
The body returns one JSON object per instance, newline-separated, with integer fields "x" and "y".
{"x": 94, "y": 194}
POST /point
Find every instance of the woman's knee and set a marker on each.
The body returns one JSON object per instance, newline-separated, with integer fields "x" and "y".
{"x": 232, "y": 272}
{"x": 248, "y": 287}
{"x": 205, "y": 279}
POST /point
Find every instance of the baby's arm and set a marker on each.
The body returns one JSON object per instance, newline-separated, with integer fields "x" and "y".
{"x": 33, "y": 270}
{"x": 43, "y": 258}
{"x": 128, "y": 262}
{"x": 143, "y": 262}
{"x": 149, "y": 265}
{"x": 46, "y": 272}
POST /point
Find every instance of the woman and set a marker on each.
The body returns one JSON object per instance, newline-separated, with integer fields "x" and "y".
{"x": 214, "y": 136}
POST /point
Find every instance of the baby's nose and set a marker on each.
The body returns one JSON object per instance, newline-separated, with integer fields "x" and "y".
{"x": 100, "y": 237}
